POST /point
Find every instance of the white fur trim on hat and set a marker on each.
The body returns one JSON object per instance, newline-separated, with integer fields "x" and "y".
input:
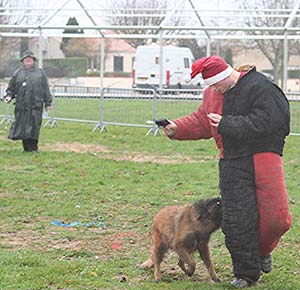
{"x": 219, "y": 77}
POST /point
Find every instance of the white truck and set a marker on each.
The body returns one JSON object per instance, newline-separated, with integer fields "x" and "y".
{"x": 176, "y": 67}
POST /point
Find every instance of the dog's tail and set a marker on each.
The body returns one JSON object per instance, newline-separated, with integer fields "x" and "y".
{"x": 147, "y": 264}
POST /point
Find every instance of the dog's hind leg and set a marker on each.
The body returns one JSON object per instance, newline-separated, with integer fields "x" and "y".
{"x": 157, "y": 257}
{"x": 159, "y": 249}
{"x": 149, "y": 262}
{"x": 185, "y": 258}
{"x": 205, "y": 256}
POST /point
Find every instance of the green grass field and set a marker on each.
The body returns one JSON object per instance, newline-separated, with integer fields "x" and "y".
{"x": 113, "y": 183}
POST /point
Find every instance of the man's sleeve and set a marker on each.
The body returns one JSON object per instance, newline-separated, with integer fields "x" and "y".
{"x": 11, "y": 89}
{"x": 195, "y": 126}
{"x": 47, "y": 94}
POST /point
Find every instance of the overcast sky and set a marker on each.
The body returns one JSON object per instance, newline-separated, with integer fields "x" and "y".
{"x": 92, "y": 4}
{"x": 66, "y": 11}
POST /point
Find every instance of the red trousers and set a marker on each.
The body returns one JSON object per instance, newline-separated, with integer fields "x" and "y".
{"x": 272, "y": 201}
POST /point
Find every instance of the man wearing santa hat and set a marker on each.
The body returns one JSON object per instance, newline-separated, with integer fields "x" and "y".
{"x": 249, "y": 118}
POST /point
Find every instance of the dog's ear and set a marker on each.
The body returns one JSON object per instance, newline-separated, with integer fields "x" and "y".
{"x": 201, "y": 208}
{"x": 206, "y": 207}
{"x": 211, "y": 208}
{"x": 203, "y": 213}
{"x": 216, "y": 202}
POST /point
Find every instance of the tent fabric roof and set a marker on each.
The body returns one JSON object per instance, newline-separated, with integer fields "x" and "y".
{"x": 182, "y": 21}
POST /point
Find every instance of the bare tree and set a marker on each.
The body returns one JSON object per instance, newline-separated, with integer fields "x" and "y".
{"x": 5, "y": 43}
{"x": 22, "y": 16}
{"x": 272, "y": 49}
{"x": 193, "y": 44}
{"x": 134, "y": 7}
{"x": 10, "y": 47}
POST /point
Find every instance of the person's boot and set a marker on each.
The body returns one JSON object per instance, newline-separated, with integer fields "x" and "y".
{"x": 240, "y": 283}
{"x": 34, "y": 145}
{"x": 26, "y": 145}
{"x": 266, "y": 263}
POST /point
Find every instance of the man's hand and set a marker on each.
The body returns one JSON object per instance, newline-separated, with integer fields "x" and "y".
{"x": 171, "y": 129}
{"x": 214, "y": 119}
{"x": 47, "y": 109}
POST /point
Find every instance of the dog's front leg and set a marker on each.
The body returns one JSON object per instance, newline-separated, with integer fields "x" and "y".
{"x": 182, "y": 265}
{"x": 205, "y": 256}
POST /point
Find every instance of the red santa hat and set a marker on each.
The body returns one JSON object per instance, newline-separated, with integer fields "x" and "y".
{"x": 213, "y": 69}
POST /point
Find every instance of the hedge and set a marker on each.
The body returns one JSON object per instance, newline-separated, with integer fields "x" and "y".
{"x": 65, "y": 67}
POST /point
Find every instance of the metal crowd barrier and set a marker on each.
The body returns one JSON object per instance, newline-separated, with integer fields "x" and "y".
{"x": 5, "y": 115}
{"x": 294, "y": 100}
{"x": 75, "y": 104}
{"x": 119, "y": 106}
{"x": 126, "y": 107}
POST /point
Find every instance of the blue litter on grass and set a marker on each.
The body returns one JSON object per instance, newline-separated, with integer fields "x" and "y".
{"x": 101, "y": 225}
{"x": 59, "y": 223}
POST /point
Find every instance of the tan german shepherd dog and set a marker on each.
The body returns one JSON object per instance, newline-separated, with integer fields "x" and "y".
{"x": 185, "y": 229}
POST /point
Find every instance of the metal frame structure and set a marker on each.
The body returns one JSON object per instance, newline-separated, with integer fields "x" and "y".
{"x": 198, "y": 29}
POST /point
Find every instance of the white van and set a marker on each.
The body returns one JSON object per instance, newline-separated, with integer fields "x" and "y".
{"x": 177, "y": 62}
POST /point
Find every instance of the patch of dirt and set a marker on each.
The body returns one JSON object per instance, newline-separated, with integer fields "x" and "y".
{"x": 138, "y": 157}
{"x": 103, "y": 152}
{"x": 98, "y": 244}
{"x": 5, "y": 194}
{"x": 97, "y": 240}
{"x": 77, "y": 148}
{"x": 31, "y": 239}
{"x": 19, "y": 238}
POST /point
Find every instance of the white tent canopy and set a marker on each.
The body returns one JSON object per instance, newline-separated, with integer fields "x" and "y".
{"x": 199, "y": 23}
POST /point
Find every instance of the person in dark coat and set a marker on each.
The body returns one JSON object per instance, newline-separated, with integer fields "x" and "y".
{"x": 29, "y": 87}
{"x": 249, "y": 118}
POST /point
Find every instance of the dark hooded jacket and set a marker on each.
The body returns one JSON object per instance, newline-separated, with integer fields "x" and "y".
{"x": 256, "y": 117}
{"x": 30, "y": 89}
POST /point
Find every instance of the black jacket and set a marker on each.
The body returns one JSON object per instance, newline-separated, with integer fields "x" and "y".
{"x": 256, "y": 117}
